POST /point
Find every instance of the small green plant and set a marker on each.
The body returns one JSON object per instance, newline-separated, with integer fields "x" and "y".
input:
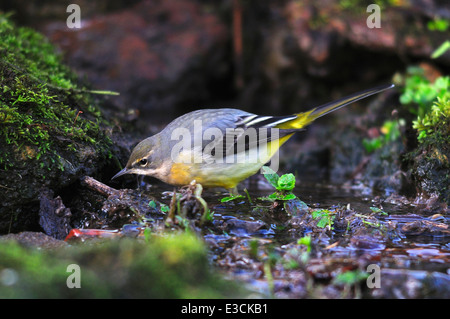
{"x": 444, "y": 47}
{"x": 378, "y": 211}
{"x": 152, "y": 204}
{"x": 147, "y": 234}
{"x": 438, "y": 24}
{"x": 325, "y": 218}
{"x": 390, "y": 131}
{"x": 428, "y": 100}
{"x": 230, "y": 198}
{"x": 163, "y": 207}
{"x": 208, "y": 216}
{"x": 253, "y": 249}
{"x": 420, "y": 93}
{"x": 350, "y": 278}
{"x": 178, "y": 210}
{"x": 283, "y": 184}
{"x": 427, "y": 124}
{"x": 305, "y": 240}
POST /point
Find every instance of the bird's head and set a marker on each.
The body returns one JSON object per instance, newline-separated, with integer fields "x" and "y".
{"x": 143, "y": 160}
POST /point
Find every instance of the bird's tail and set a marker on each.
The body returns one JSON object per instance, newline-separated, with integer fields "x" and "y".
{"x": 305, "y": 118}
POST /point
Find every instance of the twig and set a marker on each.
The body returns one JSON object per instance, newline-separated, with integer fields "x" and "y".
{"x": 10, "y": 189}
{"x": 248, "y": 196}
{"x": 97, "y": 186}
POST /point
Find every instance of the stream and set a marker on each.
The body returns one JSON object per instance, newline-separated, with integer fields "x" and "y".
{"x": 371, "y": 245}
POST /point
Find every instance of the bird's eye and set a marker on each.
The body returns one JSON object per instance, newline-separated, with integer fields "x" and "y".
{"x": 143, "y": 162}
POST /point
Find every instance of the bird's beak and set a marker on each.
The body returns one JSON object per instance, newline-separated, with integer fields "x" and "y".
{"x": 122, "y": 172}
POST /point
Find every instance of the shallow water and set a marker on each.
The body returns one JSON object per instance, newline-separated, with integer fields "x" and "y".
{"x": 249, "y": 237}
{"x": 390, "y": 250}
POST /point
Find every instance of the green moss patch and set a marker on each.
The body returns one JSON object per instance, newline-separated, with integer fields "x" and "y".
{"x": 429, "y": 160}
{"x": 431, "y": 168}
{"x": 51, "y": 128}
{"x": 40, "y": 102}
{"x": 172, "y": 267}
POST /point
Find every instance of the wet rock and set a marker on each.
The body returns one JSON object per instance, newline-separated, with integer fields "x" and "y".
{"x": 328, "y": 268}
{"x": 367, "y": 241}
{"x": 350, "y": 24}
{"x": 431, "y": 167}
{"x": 425, "y": 227}
{"x": 426, "y": 253}
{"x": 243, "y": 228}
{"x": 54, "y": 217}
{"x": 383, "y": 170}
{"x": 304, "y": 52}
{"x": 296, "y": 207}
{"x": 237, "y": 256}
{"x": 34, "y": 239}
{"x": 412, "y": 284}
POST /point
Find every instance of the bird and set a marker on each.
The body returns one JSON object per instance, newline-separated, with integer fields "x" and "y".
{"x": 224, "y": 146}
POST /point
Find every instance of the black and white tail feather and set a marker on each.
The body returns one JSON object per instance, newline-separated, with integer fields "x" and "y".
{"x": 269, "y": 128}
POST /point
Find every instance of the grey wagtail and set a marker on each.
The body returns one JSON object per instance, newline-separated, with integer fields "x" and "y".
{"x": 222, "y": 147}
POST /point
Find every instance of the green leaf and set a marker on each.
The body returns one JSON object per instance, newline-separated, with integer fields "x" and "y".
{"x": 152, "y": 204}
{"x": 375, "y": 209}
{"x": 371, "y": 145}
{"x": 441, "y": 50}
{"x": 378, "y": 210}
{"x": 289, "y": 196}
{"x": 350, "y": 277}
{"x": 323, "y": 222}
{"x": 324, "y": 215}
{"x": 319, "y": 213}
{"x": 165, "y": 208}
{"x": 147, "y": 234}
{"x": 286, "y": 182}
{"x": 270, "y": 175}
{"x": 230, "y": 198}
{"x": 274, "y": 196}
{"x": 438, "y": 25}
{"x": 306, "y": 240}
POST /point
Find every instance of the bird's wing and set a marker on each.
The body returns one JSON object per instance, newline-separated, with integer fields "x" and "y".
{"x": 242, "y": 131}
{"x": 222, "y": 132}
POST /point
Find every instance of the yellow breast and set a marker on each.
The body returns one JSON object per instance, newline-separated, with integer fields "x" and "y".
{"x": 221, "y": 174}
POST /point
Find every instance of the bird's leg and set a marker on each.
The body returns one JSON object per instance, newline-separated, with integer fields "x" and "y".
{"x": 140, "y": 179}
{"x": 233, "y": 191}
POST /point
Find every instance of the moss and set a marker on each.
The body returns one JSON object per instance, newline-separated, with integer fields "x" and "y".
{"x": 427, "y": 98}
{"x": 431, "y": 123}
{"x": 40, "y": 99}
{"x": 171, "y": 267}
{"x": 431, "y": 168}
{"x": 51, "y": 128}
{"x": 30, "y": 52}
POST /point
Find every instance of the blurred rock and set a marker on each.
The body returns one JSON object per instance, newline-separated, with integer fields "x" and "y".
{"x": 159, "y": 55}
{"x": 412, "y": 284}
{"x": 54, "y": 217}
{"x": 305, "y": 53}
{"x": 34, "y": 239}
